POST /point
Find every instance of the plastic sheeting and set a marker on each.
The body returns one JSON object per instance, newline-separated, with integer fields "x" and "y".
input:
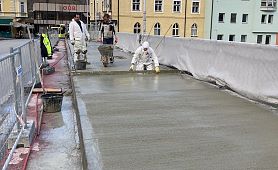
{"x": 249, "y": 69}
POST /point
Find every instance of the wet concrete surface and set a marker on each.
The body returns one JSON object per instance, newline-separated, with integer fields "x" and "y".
{"x": 172, "y": 121}
{"x": 57, "y": 146}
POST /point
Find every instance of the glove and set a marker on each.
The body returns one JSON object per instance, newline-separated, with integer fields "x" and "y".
{"x": 72, "y": 42}
{"x": 99, "y": 40}
{"x": 157, "y": 70}
{"x": 116, "y": 40}
{"x": 132, "y": 67}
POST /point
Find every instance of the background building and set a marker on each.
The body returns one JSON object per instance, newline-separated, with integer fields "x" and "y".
{"x": 171, "y": 18}
{"x": 11, "y": 12}
{"x": 242, "y": 21}
{"x": 55, "y": 12}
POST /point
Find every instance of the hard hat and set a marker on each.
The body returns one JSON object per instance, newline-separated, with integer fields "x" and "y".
{"x": 145, "y": 45}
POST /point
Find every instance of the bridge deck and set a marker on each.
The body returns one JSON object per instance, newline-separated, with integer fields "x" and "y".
{"x": 170, "y": 121}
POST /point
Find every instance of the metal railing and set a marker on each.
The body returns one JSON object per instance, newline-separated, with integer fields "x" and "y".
{"x": 53, "y": 37}
{"x": 19, "y": 73}
{"x": 93, "y": 30}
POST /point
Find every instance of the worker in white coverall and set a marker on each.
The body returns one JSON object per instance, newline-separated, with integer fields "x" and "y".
{"x": 144, "y": 59}
{"x": 78, "y": 34}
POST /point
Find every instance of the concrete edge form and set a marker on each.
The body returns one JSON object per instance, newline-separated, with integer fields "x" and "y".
{"x": 77, "y": 114}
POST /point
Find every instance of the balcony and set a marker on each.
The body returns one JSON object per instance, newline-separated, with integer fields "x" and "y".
{"x": 267, "y": 8}
{"x": 268, "y": 5}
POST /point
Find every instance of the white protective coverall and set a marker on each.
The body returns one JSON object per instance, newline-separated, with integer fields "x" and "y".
{"x": 78, "y": 38}
{"x": 144, "y": 60}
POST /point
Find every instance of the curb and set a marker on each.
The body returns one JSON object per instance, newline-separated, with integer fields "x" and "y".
{"x": 96, "y": 73}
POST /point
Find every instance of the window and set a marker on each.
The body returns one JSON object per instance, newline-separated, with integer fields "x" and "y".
{"x": 233, "y": 17}
{"x": 244, "y": 18}
{"x": 135, "y": 5}
{"x": 263, "y": 19}
{"x": 157, "y": 29}
{"x": 220, "y": 37}
{"x": 22, "y": 7}
{"x": 267, "y": 39}
{"x": 38, "y": 15}
{"x": 175, "y": 32}
{"x": 221, "y": 17}
{"x": 195, "y": 6}
{"x": 270, "y": 19}
{"x": 243, "y": 38}
{"x": 177, "y": 6}
{"x": 269, "y": 3}
{"x": 259, "y": 39}
{"x": 51, "y": 15}
{"x": 106, "y": 5}
{"x": 232, "y": 37}
{"x": 158, "y": 5}
{"x": 194, "y": 30}
{"x": 137, "y": 28}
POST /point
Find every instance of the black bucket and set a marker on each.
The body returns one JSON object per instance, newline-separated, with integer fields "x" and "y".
{"x": 52, "y": 102}
{"x": 48, "y": 70}
{"x": 80, "y": 65}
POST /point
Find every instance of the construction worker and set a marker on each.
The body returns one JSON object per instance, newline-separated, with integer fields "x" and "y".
{"x": 78, "y": 34}
{"x": 144, "y": 58}
{"x": 107, "y": 31}
{"x": 108, "y": 34}
{"x": 62, "y": 31}
{"x": 46, "y": 49}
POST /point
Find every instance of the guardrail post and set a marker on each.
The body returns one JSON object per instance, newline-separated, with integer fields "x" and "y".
{"x": 14, "y": 85}
{"x": 31, "y": 64}
{"x": 20, "y": 74}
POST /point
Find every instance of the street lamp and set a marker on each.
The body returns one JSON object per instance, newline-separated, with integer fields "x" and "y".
{"x": 96, "y": 11}
{"x": 144, "y": 18}
{"x": 87, "y": 4}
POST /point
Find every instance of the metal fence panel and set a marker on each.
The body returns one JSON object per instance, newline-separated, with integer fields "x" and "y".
{"x": 18, "y": 74}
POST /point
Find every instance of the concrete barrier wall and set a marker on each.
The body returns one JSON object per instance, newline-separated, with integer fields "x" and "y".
{"x": 249, "y": 69}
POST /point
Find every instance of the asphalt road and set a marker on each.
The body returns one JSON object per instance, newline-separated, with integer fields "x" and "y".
{"x": 6, "y": 44}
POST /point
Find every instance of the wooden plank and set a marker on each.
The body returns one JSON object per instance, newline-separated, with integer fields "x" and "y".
{"x": 47, "y": 90}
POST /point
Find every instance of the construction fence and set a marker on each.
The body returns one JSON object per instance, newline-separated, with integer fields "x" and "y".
{"x": 19, "y": 73}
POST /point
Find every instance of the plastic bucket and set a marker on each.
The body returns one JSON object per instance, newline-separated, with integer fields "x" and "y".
{"x": 52, "y": 102}
{"x": 80, "y": 65}
{"x": 48, "y": 70}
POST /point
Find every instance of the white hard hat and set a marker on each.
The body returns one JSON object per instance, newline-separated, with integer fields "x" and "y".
{"x": 145, "y": 44}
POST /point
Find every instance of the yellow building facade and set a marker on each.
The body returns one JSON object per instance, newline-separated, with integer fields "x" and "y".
{"x": 13, "y": 8}
{"x": 181, "y": 18}
{"x": 12, "y": 12}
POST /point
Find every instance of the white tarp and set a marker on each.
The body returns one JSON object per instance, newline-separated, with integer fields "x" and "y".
{"x": 249, "y": 69}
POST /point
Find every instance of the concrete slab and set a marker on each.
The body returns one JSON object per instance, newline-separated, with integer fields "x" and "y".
{"x": 57, "y": 146}
{"x": 171, "y": 121}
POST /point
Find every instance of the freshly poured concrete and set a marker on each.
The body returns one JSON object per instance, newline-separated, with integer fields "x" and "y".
{"x": 121, "y": 63}
{"x": 171, "y": 121}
